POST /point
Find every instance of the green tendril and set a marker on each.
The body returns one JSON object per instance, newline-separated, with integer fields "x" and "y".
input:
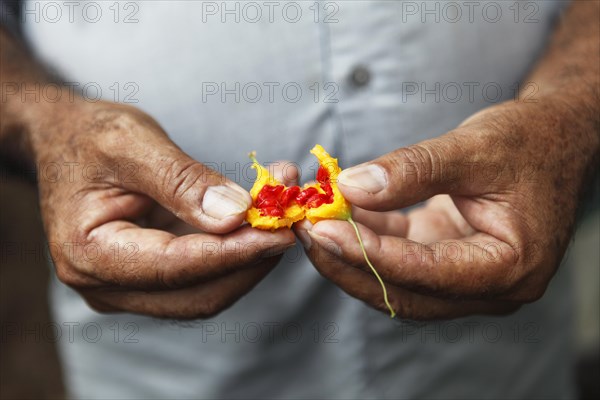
{"x": 362, "y": 247}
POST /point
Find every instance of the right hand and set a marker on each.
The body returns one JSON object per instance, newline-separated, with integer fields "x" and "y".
{"x": 90, "y": 221}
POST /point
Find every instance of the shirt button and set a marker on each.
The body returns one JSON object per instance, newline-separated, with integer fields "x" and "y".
{"x": 360, "y": 76}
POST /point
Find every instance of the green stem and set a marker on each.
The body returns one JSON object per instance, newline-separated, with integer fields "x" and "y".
{"x": 362, "y": 247}
{"x": 252, "y": 156}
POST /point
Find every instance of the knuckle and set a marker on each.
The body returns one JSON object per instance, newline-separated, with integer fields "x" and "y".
{"x": 529, "y": 293}
{"x": 418, "y": 162}
{"x": 162, "y": 279}
{"x": 534, "y": 294}
{"x": 169, "y": 279}
{"x": 210, "y": 308}
{"x": 116, "y": 129}
{"x": 526, "y": 285}
{"x": 502, "y": 275}
{"x": 179, "y": 177}
{"x": 122, "y": 119}
{"x": 115, "y": 125}
{"x": 404, "y": 309}
{"x": 67, "y": 276}
{"x": 499, "y": 281}
{"x": 172, "y": 277}
{"x": 99, "y": 306}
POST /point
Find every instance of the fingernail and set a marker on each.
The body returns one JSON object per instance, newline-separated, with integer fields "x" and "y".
{"x": 370, "y": 178}
{"x": 326, "y": 243}
{"x": 303, "y": 235}
{"x": 223, "y": 201}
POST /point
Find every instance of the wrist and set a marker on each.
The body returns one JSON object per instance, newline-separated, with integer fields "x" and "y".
{"x": 571, "y": 121}
{"x": 49, "y": 123}
{"x": 32, "y": 123}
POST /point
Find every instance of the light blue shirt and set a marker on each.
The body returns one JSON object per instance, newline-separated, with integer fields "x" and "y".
{"x": 359, "y": 77}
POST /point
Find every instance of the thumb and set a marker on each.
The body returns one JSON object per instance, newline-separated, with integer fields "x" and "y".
{"x": 285, "y": 172}
{"x": 190, "y": 190}
{"x": 411, "y": 174}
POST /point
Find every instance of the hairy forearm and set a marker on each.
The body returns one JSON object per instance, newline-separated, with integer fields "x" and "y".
{"x": 25, "y": 113}
{"x": 570, "y": 69}
{"x": 567, "y": 85}
{"x": 18, "y": 72}
{"x": 571, "y": 66}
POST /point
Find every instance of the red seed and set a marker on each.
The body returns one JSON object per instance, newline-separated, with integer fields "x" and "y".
{"x": 318, "y": 200}
{"x": 268, "y": 193}
{"x": 322, "y": 175}
{"x": 327, "y": 189}
{"x": 267, "y": 202}
{"x": 288, "y": 195}
{"x": 304, "y": 195}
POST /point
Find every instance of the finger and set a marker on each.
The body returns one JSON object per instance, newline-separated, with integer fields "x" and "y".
{"x": 408, "y": 305}
{"x": 477, "y": 267}
{"x": 407, "y": 176}
{"x": 200, "y": 301}
{"x": 383, "y": 223}
{"x": 285, "y": 172}
{"x": 301, "y": 229}
{"x": 392, "y": 223}
{"x": 121, "y": 253}
{"x": 160, "y": 169}
{"x": 438, "y": 219}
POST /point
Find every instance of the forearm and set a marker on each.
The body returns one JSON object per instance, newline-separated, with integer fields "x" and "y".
{"x": 25, "y": 111}
{"x": 569, "y": 72}
{"x": 571, "y": 65}
{"x": 566, "y": 81}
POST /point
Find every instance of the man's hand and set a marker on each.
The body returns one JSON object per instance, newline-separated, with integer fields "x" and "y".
{"x": 133, "y": 223}
{"x": 505, "y": 189}
{"x": 126, "y": 174}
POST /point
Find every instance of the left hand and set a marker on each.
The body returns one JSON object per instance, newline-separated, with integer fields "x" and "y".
{"x": 504, "y": 189}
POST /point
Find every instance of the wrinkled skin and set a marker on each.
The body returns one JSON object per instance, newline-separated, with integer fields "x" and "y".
{"x": 144, "y": 211}
{"x": 128, "y": 233}
{"x": 503, "y": 191}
